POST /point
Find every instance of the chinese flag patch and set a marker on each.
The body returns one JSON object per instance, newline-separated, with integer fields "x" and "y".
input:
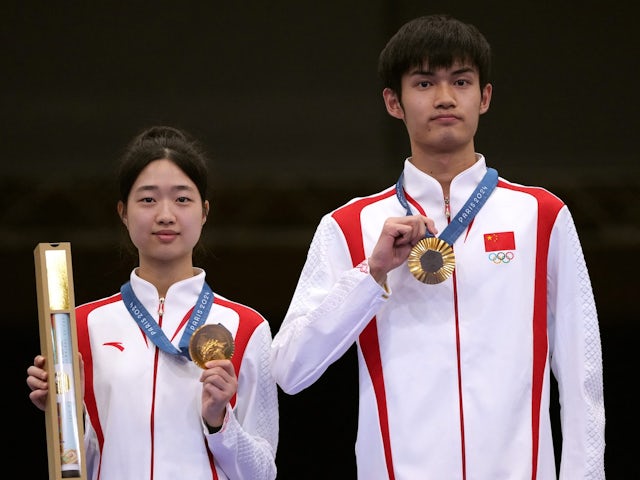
{"x": 499, "y": 241}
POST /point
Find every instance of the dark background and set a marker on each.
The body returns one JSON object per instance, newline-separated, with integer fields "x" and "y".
{"x": 286, "y": 98}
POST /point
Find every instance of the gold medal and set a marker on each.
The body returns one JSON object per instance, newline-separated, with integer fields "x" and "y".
{"x": 431, "y": 260}
{"x": 210, "y": 342}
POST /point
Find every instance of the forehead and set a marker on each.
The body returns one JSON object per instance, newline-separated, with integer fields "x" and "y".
{"x": 162, "y": 171}
{"x": 451, "y": 67}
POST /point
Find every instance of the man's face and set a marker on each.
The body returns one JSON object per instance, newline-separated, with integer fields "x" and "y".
{"x": 440, "y": 107}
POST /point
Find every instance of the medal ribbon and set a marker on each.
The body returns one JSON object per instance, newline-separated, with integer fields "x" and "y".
{"x": 466, "y": 214}
{"x": 147, "y": 323}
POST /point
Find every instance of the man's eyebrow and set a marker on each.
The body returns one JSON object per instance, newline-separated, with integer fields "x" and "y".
{"x": 458, "y": 71}
{"x": 465, "y": 69}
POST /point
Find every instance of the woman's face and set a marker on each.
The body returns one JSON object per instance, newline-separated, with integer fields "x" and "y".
{"x": 164, "y": 214}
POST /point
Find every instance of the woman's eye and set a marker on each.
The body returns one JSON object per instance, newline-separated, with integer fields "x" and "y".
{"x": 146, "y": 199}
{"x": 182, "y": 199}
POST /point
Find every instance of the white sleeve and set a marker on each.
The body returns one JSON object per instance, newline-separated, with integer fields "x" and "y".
{"x": 332, "y": 304}
{"x": 576, "y": 355}
{"x": 245, "y": 447}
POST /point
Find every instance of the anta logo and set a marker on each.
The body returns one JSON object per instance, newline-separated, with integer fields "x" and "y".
{"x": 117, "y": 345}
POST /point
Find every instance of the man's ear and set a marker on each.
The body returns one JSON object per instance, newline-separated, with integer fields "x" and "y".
{"x": 485, "y": 100}
{"x": 392, "y": 102}
{"x": 122, "y": 212}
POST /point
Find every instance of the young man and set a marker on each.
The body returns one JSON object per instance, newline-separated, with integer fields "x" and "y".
{"x": 457, "y": 334}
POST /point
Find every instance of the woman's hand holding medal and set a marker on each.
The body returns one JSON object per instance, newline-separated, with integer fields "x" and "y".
{"x": 211, "y": 346}
{"x": 219, "y": 385}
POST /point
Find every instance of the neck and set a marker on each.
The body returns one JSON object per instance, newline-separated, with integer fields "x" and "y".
{"x": 162, "y": 276}
{"x": 443, "y": 166}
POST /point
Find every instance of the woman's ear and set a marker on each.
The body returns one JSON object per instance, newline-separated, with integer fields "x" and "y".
{"x": 122, "y": 212}
{"x": 205, "y": 211}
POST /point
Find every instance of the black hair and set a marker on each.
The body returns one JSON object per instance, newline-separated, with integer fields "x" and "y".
{"x": 163, "y": 142}
{"x": 438, "y": 40}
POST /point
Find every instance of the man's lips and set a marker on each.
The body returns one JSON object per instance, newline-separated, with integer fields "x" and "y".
{"x": 445, "y": 118}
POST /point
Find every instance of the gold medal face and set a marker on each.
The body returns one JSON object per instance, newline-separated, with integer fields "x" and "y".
{"x": 210, "y": 342}
{"x": 431, "y": 260}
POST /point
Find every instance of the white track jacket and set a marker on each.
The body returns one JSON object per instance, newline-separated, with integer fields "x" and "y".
{"x": 454, "y": 379}
{"x": 143, "y": 405}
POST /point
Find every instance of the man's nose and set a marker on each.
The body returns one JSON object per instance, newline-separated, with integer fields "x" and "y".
{"x": 444, "y": 96}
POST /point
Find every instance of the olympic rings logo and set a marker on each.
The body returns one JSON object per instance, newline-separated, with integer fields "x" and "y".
{"x": 501, "y": 257}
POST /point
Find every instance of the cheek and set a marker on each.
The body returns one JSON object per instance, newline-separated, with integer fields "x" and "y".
{"x": 134, "y": 234}
{"x": 196, "y": 225}
{"x": 415, "y": 125}
{"x": 474, "y": 121}
{"x": 138, "y": 228}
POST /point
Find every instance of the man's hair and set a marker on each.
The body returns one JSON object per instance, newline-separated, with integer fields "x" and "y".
{"x": 438, "y": 40}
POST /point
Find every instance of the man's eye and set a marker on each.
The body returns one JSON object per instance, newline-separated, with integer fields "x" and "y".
{"x": 182, "y": 199}
{"x": 146, "y": 200}
{"x": 424, "y": 84}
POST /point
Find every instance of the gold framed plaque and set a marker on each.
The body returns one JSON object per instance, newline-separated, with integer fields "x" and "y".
{"x": 59, "y": 345}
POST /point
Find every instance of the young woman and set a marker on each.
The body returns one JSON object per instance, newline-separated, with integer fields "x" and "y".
{"x": 152, "y": 411}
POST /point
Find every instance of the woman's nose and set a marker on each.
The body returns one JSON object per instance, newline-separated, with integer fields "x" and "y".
{"x": 165, "y": 213}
